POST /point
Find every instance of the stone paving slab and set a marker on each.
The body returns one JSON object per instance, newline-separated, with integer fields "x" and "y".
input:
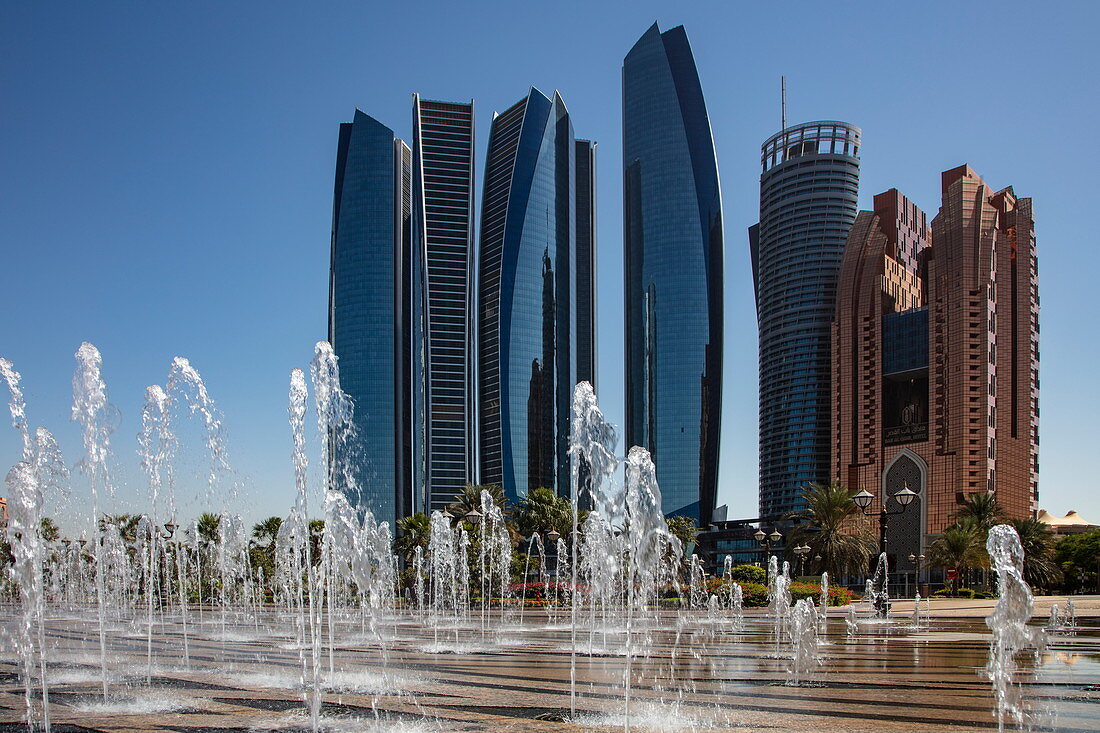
{"x": 687, "y": 675}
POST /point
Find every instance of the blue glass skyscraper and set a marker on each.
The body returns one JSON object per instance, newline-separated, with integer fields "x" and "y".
{"x": 527, "y": 297}
{"x": 808, "y": 186}
{"x": 370, "y": 308}
{"x": 674, "y": 258}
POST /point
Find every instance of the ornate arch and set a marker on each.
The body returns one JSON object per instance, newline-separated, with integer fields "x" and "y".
{"x": 905, "y": 532}
{"x": 922, "y": 465}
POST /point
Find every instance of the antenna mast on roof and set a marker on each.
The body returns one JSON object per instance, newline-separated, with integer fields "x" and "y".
{"x": 783, "y": 101}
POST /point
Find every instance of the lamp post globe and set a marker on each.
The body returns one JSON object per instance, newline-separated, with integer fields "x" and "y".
{"x": 863, "y": 499}
{"x": 905, "y": 496}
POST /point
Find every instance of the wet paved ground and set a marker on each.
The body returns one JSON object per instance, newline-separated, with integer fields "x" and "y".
{"x": 695, "y": 675}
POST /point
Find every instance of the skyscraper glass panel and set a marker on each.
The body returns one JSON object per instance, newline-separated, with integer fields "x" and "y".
{"x": 808, "y": 187}
{"x": 368, "y": 308}
{"x": 443, "y": 172}
{"x": 674, "y": 254}
{"x": 527, "y": 297}
{"x": 586, "y": 261}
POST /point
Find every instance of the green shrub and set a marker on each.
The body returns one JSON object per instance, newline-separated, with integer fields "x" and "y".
{"x": 755, "y": 595}
{"x": 962, "y": 593}
{"x": 748, "y": 574}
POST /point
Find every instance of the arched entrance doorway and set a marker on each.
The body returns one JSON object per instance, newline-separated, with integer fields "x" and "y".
{"x": 905, "y": 531}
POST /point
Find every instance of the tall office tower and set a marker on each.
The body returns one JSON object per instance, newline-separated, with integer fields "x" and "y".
{"x": 369, "y": 309}
{"x": 443, "y": 205}
{"x": 983, "y": 289}
{"x": 808, "y": 188}
{"x": 586, "y": 261}
{"x": 935, "y": 358}
{"x": 527, "y": 298}
{"x": 673, "y": 248}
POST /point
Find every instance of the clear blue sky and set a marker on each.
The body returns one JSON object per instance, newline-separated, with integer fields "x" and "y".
{"x": 167, "y": 179}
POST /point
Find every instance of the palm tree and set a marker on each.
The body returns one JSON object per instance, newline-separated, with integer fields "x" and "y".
{"x": 834, "y": 529}
{"x": 413, "y": 532}
{"x": 960, "y": 546}
{"x": 208, "y": 528}
{"x": 262, "y": 552}
{"x": 542, "y": 510}
{"x": 469, "y": 499}
{"x": 127, "y": 525}
{"x": 1040, "y": 568}
{"x": 983, "y": 510}
{"x": 49, "y": 532}
{"x": 267, "y": 531}
{"x": 316, "y": 535}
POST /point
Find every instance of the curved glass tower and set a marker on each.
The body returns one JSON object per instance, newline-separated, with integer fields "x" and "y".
{"x": 527, "y": 297}
{"x": 808, "y": 188}
{"x": 674, "y": 260}
{"x": 369, "y": 307}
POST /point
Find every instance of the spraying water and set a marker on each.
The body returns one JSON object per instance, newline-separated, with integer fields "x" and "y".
{"x": 334, "y": 426}
{"x": 94, "y": 413}
{"x": 645, "y": 537}
{"x": 301, "y": 576}
{"x": 1009, "y": 623}
{"x": 878, "y": 588}
{"x": 186, "y": 384}
{"x": 850, "y": 621}
{"x": 156, "y": 446}
{"x": 592, "y": 443}
{"x": 803, "y": 635}
{"x": 24, "y": 537}
{"x": 28, "y": 483}
{"x": 737, "y": 606}
{"x": 779, "y": 599}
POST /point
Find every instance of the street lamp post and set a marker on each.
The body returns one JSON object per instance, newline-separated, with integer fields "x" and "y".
{"x": 863, "y": 500}
{"x": 554, "y": 535}
{"x": 913, "y": 562}
{"x": 801, "y": 551}
{"x": 766, "y": 540}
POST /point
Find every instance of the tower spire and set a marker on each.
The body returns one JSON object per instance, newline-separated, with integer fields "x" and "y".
{"x": 783, "y": 102}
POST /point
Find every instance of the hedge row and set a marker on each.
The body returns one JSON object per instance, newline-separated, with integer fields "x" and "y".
{"x": 966, "y": 593}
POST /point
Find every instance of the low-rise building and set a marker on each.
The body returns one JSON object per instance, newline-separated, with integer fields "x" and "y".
{"x": 1072, "y": 523}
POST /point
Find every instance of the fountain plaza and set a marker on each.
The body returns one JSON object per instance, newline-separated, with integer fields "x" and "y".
{"x": 171, "y": 631}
